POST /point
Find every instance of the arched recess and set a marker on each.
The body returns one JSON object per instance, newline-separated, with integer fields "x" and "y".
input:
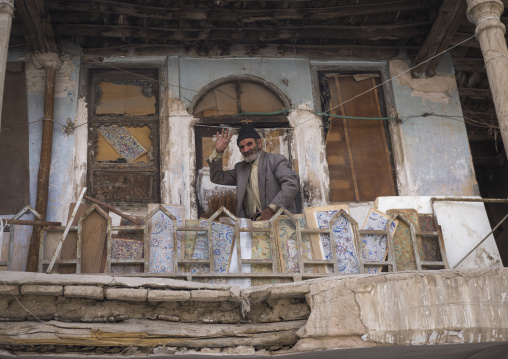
{"x": 229, "y": 102}
{"x": 237, "y": 90}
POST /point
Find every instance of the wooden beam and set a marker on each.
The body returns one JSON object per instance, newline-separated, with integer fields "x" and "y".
{"x": 483, "y": 137}
{"x": 439, "y": 38}
{"x": 238, "y": 15}
{"x": 469, "y": 64}
{"x": 266, "y": 50}
{"x": 22, "y": 222}
{"x": 41, "y": 205}
{"x": 149, "y": 333}
{"x": 36, "y": 25}
{"x": 114, "y": 210}
{"x": 496, "y": 161}
{"x": 460, "y": 37}
{"x": 39, "y": 37}
{"x": 249, "y": 35}
{"x": 489, "y": 117}
{"x": 476, "y": 93}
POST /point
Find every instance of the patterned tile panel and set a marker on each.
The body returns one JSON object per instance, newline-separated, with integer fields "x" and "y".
{"x": 402, "y": 242}
{"x": 124, "y": 248}
{"x": 375, "y": 246}
{"x": 161, "y": 238}
{"x": 286, "y": 236}
{"x": 261, "y": 250}
{"x": 122, "y": 142}
{"x": 222, "y": 240}
{"x": 343, "y": 236}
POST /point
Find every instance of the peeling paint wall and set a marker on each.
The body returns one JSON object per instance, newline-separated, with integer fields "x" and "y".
{"x": 463, "y": 224}
{"x": 431, "y": 153}
{"x": 62, "y": 159}
{"x": 309, "y": 150}
{"x": 292, "y": 78}
{"x": 434, "y": 156}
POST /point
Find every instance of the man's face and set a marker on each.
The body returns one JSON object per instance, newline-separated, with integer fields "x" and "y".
{"x": 250, "y": 149}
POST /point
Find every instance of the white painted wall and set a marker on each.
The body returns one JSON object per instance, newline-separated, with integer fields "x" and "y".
{"x": 464, "y": 225}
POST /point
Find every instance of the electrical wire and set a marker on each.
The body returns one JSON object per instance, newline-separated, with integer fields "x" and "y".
{"x": 402, "y": 73}
{"x": 478, "y": 122}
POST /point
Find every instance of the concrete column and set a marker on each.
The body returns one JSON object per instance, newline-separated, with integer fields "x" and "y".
{"x": 485, "y": 14}
{"x": 6, "y": 12}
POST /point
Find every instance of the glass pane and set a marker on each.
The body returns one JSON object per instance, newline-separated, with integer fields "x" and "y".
{"x": 122, "y": 144}
{"x": 125, "y": 99}
{"x": 221, "y": 101}
{"x": 257, "y": 98}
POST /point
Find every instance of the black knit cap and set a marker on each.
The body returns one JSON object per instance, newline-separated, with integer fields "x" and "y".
{"x": 247, "y": 131}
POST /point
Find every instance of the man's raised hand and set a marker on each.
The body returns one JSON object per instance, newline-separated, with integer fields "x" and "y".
{"x": 223, "y": 140}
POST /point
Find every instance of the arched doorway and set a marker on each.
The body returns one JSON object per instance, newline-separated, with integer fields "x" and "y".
{"x": 230, "y": 102}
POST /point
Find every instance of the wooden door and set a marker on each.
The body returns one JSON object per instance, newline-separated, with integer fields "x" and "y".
{"x": 212, "y": 196}
{"x": 357, "y": 150}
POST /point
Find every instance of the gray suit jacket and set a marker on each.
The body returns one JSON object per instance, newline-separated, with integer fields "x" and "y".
{"x": 278, "y": 183}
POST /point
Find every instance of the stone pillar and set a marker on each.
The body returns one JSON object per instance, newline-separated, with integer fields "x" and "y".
{"x": 485, "y": 14}
{"x": 6, "y": 12}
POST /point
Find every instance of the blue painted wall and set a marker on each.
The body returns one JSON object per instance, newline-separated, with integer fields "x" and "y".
{"x": 198, "y": 73}
{"x": 62, "y": 158}
{"x": 436, "y": 154}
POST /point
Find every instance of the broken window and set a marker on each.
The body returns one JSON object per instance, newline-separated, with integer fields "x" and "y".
{"x": 123, "y": 155}
{"x": 357, "y": 150}
{"x": 218, "y": 107}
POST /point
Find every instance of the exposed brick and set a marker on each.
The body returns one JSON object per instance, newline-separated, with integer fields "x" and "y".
{"x": 168, "y": 296}
{"x": 41, "y": 289}
{"x": 210, "y": 295}
{"x": 9, "y": 289}
{"x": 84, "y": 291}
{"x": 134, "y": 294}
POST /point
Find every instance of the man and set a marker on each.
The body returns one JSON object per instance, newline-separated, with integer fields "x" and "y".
{"x": 264, "y": 181}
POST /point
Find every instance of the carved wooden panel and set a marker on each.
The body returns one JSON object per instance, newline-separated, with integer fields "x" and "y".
{"x": 124, "y": 186}
{"x": 123, "y": 153}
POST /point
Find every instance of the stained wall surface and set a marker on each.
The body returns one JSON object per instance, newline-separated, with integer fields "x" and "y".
{"x": 433, "y": 152}
{"x": 291, "y": 76}
{"x": 62, "y": 159}
{"x": 435, "y": 159}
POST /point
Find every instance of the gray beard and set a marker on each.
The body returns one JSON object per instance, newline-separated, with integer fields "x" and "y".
{"x": 253, "y": 157}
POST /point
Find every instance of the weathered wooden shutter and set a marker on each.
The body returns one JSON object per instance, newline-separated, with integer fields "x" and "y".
{"x": 123, "y": 156}
{"x": 358, "y": 155}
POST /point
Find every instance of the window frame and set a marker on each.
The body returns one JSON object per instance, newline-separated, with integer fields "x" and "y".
{"x": 125, "y": 75}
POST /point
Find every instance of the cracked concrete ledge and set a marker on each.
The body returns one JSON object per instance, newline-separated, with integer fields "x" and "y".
{"x": 403, "y": 308}
{"x": 407, "y": 308}
{"x": 104, "y": 279}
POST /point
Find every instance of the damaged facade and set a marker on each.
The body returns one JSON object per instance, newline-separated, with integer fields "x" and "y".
{"x": 141, "y": 88}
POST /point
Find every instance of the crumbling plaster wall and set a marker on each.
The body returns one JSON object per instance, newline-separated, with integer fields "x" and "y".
{"x": 349, "y": 311}
{"x": 64, "y": 144}
{"x": 292, "y": 78}
{"x": 432, "y": 155}
{"x": 410, "y": 308}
